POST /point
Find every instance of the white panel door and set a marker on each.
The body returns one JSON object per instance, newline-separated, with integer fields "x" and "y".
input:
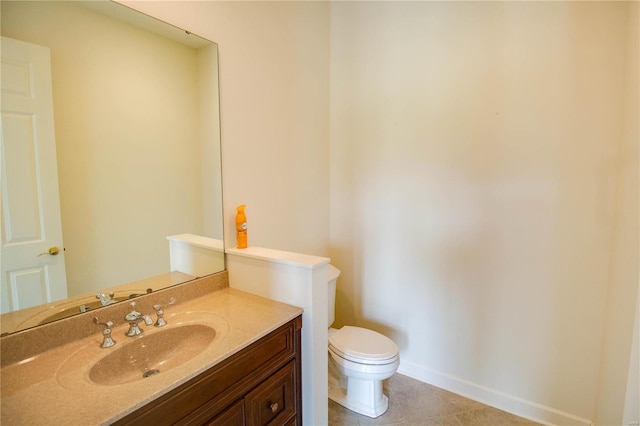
{"x": 30, "y": 209}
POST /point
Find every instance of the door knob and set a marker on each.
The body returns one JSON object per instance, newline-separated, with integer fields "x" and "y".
{"x": 53, "y": 251}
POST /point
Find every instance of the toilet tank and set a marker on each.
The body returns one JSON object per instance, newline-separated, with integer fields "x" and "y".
{"x": 332, "y": 277}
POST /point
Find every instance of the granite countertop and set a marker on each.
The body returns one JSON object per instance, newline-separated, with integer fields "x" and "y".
{"x": 53, "y": 387}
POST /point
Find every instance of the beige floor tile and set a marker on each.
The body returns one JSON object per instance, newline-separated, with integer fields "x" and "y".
{"x": 490, "y": 416}
{"x": 398, "y": 381}
{"x": 451, "y": 420}
{"x": 414, "y": 403}
{"x": 417, "y": 403}
{"x": 338, "y": 415}
{"x": 460, "y": 403}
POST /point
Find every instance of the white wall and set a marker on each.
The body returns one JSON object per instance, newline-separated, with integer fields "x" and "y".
{"x": 475, "y": 152}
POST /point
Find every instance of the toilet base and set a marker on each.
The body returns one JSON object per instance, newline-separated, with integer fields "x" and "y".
{"x": 361, "y": 396}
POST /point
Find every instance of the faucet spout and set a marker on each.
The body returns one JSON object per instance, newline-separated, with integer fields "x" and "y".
{"x": 105, "y": 300}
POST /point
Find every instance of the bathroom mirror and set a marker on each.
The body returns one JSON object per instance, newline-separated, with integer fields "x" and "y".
{"x": 137, "y": 140}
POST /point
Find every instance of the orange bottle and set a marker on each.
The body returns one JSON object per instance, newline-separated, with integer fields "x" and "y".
{"x": 241, "y": 227}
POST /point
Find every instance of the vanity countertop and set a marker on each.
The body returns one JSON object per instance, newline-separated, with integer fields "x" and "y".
{"x": 35, "y": 392}
{"x": 12, "y": 322}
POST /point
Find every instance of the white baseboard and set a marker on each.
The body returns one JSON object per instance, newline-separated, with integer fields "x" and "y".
{"x": 511, "y": 404}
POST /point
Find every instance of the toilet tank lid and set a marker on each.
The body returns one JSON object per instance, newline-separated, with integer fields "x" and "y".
{"x": 360, "y": 343}
{"x": 332, "y": 272}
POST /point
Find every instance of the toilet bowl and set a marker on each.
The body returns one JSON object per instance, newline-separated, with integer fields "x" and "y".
{"x": 359, "y": 360}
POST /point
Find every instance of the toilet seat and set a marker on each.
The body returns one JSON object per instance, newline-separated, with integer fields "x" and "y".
{"x": 363, "y": 346}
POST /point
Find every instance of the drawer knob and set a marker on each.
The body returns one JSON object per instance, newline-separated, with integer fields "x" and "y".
{"x": 274, "y": 407}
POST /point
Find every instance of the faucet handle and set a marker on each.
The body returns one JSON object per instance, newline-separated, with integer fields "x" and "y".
{"x": 107, "y": 342}
{"x": 160, "y": 312}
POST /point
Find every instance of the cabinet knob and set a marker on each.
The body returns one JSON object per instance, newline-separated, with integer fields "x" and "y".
{"x": 274, "y": 407}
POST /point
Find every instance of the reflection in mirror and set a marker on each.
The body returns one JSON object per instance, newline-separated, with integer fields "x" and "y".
{"x": 126, "y": 156}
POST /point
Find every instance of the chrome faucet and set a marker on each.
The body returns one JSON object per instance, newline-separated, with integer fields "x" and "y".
{"x": 134, "y": 318}
{"x": 132, "y": 295}
{"x": 161, "y": 322}
{"x": 104, "y": 300}
{"x": 107, "y": 342}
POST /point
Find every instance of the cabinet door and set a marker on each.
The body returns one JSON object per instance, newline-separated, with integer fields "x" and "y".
{"x": 272, "y": 402}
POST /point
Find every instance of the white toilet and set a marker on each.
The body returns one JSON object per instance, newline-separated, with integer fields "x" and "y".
{"x": 359, "y": 360}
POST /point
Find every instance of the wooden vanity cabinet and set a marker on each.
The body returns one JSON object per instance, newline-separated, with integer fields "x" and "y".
{"x": 260, "y": 385}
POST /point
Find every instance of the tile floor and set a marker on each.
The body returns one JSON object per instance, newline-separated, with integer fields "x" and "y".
{"x": 412, "y": 402}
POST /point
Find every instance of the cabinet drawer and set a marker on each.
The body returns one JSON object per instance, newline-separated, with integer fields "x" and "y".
{"x": 273, "y": 402}
{"x": 232, "y": 416}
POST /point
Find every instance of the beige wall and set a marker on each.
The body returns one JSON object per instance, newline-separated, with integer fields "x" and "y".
{"x": 113, "y": 103}
{"x": 274, "y": 90}
{"x": 632, "y": 398}
{"x": 209, "y": 126}
{"x": 475, "y": 159}
{"x": 619, "y": 357}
